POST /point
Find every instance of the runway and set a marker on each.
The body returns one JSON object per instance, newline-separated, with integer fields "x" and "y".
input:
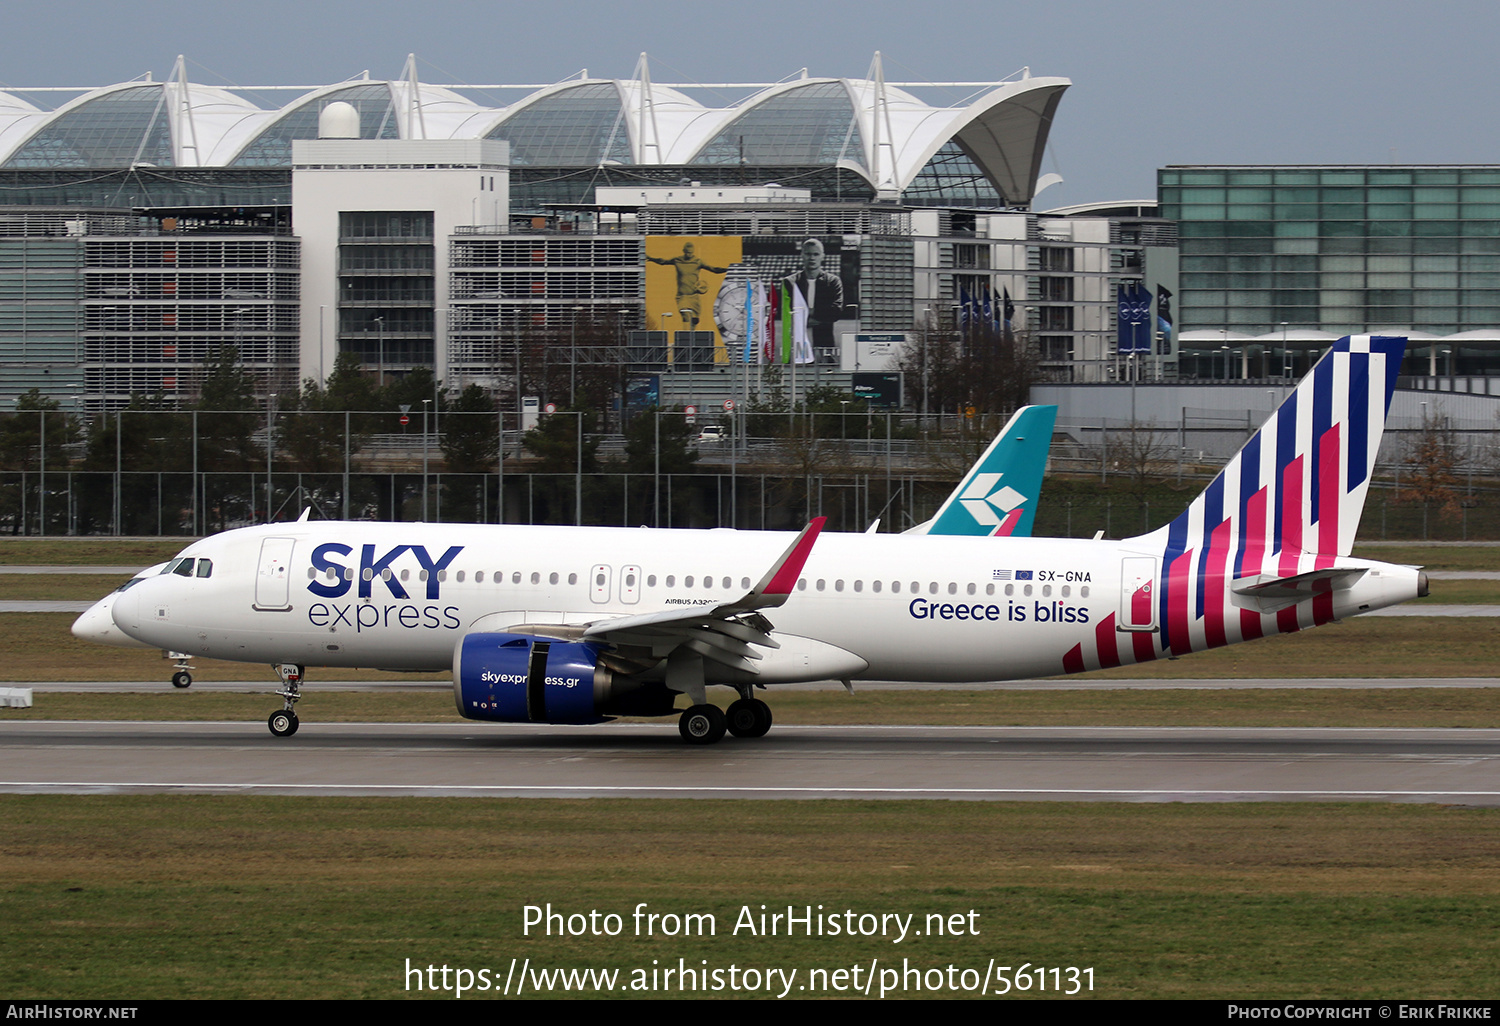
{"x": 650, "y": 761}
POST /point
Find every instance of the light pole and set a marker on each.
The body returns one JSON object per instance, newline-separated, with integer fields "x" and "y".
{"x": 573, "y": 359}
{"x": 426, "y": 405}
{"x": 380, "y": 341}
{"x": 270, "y": 445}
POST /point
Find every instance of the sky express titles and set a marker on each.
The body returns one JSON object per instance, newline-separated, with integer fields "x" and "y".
{"x": 371, "y": 570}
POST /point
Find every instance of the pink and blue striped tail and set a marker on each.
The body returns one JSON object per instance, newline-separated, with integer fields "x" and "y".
{"x": 1287, "y": 505}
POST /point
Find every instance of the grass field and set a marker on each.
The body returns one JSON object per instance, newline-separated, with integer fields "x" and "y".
{"x": 88, "y": 551}
{"x": 183, "y": 897}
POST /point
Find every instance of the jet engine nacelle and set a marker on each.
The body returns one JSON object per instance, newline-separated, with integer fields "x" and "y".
{"x": 523, "y": 678}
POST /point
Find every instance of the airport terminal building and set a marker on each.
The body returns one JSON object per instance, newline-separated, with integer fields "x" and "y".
{"x": 148, "y": 224}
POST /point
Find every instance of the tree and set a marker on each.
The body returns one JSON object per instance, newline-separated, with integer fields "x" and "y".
{"x": 1432, "y": 463}
{"x": 21, "y": 435}
{"x": 982, "y": 372}
{"x": 650, "y": 427}
{"x": 226, "y": 437}
{"x": 410, "y": 390}
{"x": 348, "y": 387}
{"x": 554, "y": 441}
{"x": 469, "y": 433}
{"x": 1140, "y": 452}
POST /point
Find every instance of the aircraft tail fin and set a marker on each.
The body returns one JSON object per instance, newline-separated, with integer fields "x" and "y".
{"x": 1277, "y": 520}
{"x": 999, "y": 494}
{"x": 1299, "y": 484}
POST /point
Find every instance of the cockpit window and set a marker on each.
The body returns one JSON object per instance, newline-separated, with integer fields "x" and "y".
{"x": 184, "y": 568}
{"x": 171, "y": 566}
{"x": 129, "y": 584}
{"x": 205, "y": 568}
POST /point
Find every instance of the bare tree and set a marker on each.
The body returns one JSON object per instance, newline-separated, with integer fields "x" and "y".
{"x": 1432, "y": 462}
{"x": 1140, "y": 453}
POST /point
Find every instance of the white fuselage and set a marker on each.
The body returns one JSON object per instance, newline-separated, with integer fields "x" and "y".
{"x": 919, "y": 608}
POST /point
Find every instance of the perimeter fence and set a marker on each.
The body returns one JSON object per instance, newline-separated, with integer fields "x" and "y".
{"x": 188, "y": 474}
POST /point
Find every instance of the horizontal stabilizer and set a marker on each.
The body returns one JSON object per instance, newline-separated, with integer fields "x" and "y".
{"x": 1271, "y": 591}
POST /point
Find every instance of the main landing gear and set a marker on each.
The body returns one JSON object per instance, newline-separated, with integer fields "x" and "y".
{"x": 704, "y": 724}
{"x": 283, "y": 722}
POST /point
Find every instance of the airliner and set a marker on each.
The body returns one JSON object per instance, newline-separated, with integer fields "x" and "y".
{"x": 577, "y": 625}
{"x": 997, "y": 497}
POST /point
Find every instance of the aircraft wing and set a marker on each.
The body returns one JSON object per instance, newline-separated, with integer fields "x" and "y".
{"x": 724, "y": 633}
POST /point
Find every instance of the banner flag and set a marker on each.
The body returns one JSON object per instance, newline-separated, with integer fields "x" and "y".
{"x": 801, "y": 339}
{"x": 1164, "y": 318}
{"x": 1134, "y": 305}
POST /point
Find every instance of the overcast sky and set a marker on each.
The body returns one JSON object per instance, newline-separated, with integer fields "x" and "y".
{"x": 1159, "y": 83}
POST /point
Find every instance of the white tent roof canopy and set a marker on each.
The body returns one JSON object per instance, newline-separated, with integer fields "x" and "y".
{"x": 880, "y": 129}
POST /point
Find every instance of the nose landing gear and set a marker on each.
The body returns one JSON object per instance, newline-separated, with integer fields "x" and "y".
{"x": 283, "y": 722}
{"x": 183, "y": 677}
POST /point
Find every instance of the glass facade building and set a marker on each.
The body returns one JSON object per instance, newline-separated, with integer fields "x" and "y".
{"x": 1336, "y": 249}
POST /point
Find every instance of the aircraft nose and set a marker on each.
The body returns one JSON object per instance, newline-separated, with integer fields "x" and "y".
{"x": 124, "y": 611}
{"x": 95, "y": 621}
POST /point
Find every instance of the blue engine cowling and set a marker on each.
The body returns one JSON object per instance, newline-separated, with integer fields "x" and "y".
{"x": 520, "y": 678}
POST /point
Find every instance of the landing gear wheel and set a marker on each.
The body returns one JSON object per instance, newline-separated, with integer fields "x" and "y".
{"x": 749, "y": 717}
{"x": 283, "y": 723}
{"x": 182, "y": 679}
{"x": 702, "y": 725}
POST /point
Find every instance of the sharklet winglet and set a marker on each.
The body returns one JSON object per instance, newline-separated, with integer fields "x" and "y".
{"x": 782, "y": 577}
